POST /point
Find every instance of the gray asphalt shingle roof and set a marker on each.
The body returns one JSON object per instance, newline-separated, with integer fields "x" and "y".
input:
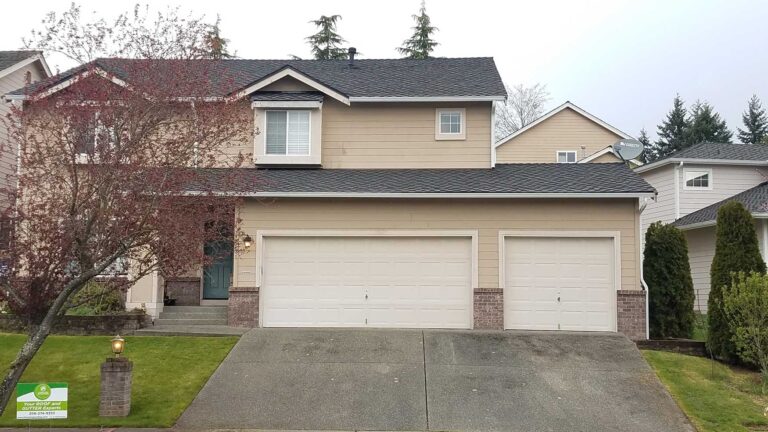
{"x": 706, "y": 150}
{"x": 433, "y": 77}
{"x": 287, "y": 96}
{"x": 10, "y": 58}
{"x": 755, "y": 200}
{"x": 605, "y": 178}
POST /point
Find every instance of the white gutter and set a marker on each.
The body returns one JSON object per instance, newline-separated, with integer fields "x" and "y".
{"x": 710, "y": 223}
{"x": 423, "y": 195}
{"x": 426, "y": 98}
{"x": 654, "y": 165}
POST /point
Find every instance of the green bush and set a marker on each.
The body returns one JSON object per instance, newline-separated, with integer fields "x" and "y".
{"x": 96, "y": 299}
{"x": 667, "y": 272}
{"x": 736, "y": 251}
{"x": 745, "y": 307}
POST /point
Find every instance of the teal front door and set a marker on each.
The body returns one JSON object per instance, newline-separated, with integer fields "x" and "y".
{"x": 218, "y": 274}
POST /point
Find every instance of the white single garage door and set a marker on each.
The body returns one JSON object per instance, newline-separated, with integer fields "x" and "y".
{"x": 559, "y": 283}
{"x": 406, "y": 282}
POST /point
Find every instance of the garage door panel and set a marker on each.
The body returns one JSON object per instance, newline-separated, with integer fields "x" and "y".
{"x": 383, "y": 281}
{"x": 559, "y": 282}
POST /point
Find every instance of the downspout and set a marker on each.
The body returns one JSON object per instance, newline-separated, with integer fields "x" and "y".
{"x": 493, "y": 134}
{"x": 642, "y": 204}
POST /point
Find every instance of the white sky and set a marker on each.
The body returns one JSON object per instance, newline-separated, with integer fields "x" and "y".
{"x": 620, "y": 60}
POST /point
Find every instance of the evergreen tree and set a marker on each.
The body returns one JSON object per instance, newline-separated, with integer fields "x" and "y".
{"x": 670, "y": 287}
{"x": 755, "y": 123}
{"x": 706, "y": 125}
{"x": 672, "y": 131}
{"x": 736, "y": 250}
{"x": 421, "y": 44}
{"x": 215, "y": 45}
{"x": 649, "y": 149}
{"x": 325, "y": 43}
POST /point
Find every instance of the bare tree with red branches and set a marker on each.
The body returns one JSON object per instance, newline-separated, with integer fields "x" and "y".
{"x": 107, "y": 166}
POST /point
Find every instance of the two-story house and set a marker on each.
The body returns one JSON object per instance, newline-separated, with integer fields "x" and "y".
{"x": 693, "y": 183}
{"x": 17, "y": 69}
{"x": 380, "y": 199}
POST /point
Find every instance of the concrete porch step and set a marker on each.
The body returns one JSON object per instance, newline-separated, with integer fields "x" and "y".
{"x": 193, "y": 315}
{"x": 196, "y": 309}
{"x": 190, "y": 321}
{"x": 196, "y": 330}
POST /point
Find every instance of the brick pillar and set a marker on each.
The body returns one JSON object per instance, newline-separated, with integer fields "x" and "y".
{"x": 243, "y": 307}
{"x": 489, "y": 308}
{"x": 631, "y": 313}
{"x": 115, "y": 398}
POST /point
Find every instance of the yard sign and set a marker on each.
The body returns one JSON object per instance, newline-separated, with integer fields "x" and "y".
{"x": 41, "y": 401}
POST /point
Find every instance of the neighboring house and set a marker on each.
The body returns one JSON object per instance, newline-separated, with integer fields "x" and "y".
{"x": 17, "y": 69}
{"x": 567, "y": 134}
{"x": 693, "y": 183}
{"x": 393, "y": 209}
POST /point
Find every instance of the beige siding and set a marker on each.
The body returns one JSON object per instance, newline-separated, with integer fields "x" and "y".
{"x": 9, "y": 83}
{"x": 485, "y": 216}
{"x": 396, "y": 135}
{"x": 606, "y": 158}
{"x": 727, "y": 181}
{"x": 566, "y": 130}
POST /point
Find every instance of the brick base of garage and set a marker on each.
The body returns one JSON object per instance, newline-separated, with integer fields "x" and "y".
{"x": 631, "y": 313}
{"x": 243, "y": 307}
{"x": 489, "y": 308}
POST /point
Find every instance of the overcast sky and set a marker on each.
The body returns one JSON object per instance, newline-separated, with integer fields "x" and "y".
{"x": 623, "y": 61}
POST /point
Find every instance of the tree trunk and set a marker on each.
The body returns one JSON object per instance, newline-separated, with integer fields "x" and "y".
{"x": 23, "y": 358}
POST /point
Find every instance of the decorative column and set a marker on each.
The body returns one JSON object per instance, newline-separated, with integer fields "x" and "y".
{"x": 115, "y": 398}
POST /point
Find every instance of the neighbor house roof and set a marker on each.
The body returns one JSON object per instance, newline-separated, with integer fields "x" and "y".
{"x": 715, "y": 153}
{"x": 13, "y": 60}
{"x": 564, "y": 106}
{"x": 755, "y": 200}
{"x": 505, "y": 180}
{"x": 366, "y": 80}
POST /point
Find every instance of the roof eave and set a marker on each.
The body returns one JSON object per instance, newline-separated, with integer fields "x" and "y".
{"x": 496, "y": 98}
{"x": 661, "y": 163}
{"x": 468, "y": 195}
{"x": 713, "y": 222}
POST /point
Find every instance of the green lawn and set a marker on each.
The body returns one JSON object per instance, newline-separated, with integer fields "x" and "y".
{"x": 168, "y": 372}
{"x": 700, "y": 327}
{"x": 715, "y": 397}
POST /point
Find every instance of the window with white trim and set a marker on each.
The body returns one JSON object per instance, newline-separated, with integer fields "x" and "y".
{"x": 698, "y": 179}
{"x": 287, "y": 133}
{"x": 566, "y": 157}
{"x": 450, "y": 124}
{"x": 90, "y": 135}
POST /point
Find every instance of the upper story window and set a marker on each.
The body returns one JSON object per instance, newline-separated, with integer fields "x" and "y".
{"x": 288, "y": 133}
{"x": 450, "y": 124}
{"x": 90, "y": 134}
{"x": 697, "y": 179}
{"x": 566, "y": 157}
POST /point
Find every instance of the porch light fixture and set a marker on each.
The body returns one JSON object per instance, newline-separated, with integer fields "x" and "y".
{"x": 118, "y": 345}
{"x": 247, "y": 241}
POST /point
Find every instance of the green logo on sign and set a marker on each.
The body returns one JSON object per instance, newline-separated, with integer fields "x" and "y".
{"x": 42, "y": 391}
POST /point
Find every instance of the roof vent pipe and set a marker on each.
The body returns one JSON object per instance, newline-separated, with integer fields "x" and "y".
{"x": 352, "y": 51}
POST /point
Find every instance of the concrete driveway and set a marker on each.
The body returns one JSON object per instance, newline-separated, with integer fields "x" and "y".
{"x": 337, "y": 379}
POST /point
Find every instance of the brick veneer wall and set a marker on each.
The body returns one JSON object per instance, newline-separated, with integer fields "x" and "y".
{"x": 243, "y": 307}
{"x": 489, "y": 308}
{"x": 631, "y": 313}
{"x": 185, "y": 290}
{"x": 83, "y": 325}
{"x": 115, "y": 394}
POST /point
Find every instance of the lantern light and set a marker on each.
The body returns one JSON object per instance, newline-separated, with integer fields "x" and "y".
{"x": 118, "y": 345}
{"x": 247, "y": 241}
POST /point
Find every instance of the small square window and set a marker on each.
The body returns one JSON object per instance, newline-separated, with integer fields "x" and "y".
{"x": 566, "y": 157}
{"x": 450, "y": 124}
{"x": 697, "y": 179}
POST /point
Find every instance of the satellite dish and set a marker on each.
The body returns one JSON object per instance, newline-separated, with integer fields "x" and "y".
{"x": 628, "y": 148}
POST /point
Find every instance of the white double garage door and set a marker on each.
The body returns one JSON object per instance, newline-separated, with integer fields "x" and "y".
{"x": 415, "y": 281}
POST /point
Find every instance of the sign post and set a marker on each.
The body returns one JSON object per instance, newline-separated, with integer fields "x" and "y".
{"x": 41, "y": 401}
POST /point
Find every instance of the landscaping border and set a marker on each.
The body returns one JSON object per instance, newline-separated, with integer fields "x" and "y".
{"x": 74, "y": 325}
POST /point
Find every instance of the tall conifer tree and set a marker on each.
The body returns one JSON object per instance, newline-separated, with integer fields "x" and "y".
{"x": 421, "y": 44}
{"x": 755, "y": 123}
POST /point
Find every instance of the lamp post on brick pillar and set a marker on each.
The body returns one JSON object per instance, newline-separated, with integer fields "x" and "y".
{"x": 116, "y": 376}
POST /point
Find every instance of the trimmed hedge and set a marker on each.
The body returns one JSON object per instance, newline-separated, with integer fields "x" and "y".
{"x": 667, "y": 272}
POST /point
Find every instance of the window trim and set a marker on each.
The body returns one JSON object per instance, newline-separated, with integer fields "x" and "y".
{"x": 707, "y": 171}
{"x": 575, "y": 156}
{"x": 309, "y": 134}
{"x": 462, "y": 135}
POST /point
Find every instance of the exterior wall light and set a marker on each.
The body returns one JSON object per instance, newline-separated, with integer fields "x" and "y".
{"x": 118, "y": 345}
{"x": 247, "y": 241}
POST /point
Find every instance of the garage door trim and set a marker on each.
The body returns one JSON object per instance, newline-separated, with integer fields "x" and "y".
{"x": 615, "y": 235}
{"x": 261, "y": 234}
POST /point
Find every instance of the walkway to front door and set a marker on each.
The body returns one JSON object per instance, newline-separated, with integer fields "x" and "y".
{"x": 363, "y": 379}
{"x": 218, "y": 275}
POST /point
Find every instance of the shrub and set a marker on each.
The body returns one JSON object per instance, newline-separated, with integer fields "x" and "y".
{"x": 745, "y": 307}
{"x": 736, "y": 250}
{"x": 96, "y": 299}
{"x": 667, "y": 272}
